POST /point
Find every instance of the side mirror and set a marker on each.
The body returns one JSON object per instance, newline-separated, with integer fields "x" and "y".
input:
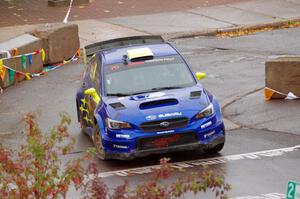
{"x": 92, "y": 92}
{"x": 200, "y": 75}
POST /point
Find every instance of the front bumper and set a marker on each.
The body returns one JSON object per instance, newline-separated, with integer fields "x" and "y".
{"x": 184, "y": 147}
{"x": 205, "y": 139}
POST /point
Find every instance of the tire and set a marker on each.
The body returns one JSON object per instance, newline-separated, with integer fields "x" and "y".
{"x": 215, "y": 149}
{"x": 98, "y": 143}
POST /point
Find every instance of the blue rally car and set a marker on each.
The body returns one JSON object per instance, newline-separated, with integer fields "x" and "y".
{"x": 139, "y": 97}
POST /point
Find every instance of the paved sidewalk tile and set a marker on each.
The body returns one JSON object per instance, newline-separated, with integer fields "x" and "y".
{"x": 276, "y": 8}
{"x": 10, "y": 32}
{"x": 90, "y": 31}
{"x": 231, "y": 15}
{"x": 294, "y": 1}
{"x": 171, "y": 22}
{"x": 21, "y": 12}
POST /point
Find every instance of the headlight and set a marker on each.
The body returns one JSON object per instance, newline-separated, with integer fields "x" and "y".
{"x": 208, "y": 111}
{"x": 114, "y": 124}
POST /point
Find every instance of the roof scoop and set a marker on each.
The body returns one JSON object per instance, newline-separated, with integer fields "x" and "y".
{"x": 139, "y": 54}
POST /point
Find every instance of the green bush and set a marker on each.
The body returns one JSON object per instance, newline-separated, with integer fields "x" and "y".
{"x": 36, "y": 171}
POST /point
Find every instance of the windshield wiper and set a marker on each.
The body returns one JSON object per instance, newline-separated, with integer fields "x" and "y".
{"x": 157, "y": 89}
{"x": 166, "y": 88}
{"x": 118, "y": 94}
{"x": 139, "y": 93}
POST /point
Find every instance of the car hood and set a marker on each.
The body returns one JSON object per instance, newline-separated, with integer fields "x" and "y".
{"x": 166, "y": 104}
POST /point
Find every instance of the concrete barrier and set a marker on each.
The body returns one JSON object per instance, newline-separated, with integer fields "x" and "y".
{"x": 283, "y": 75}
{"x": 60, "y": 41}
{"x": 25, "y": 43}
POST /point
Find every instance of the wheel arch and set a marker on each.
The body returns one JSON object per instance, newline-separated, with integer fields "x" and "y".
{"x": 99, "y": 121}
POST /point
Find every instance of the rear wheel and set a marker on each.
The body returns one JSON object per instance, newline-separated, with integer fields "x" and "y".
{"x": 215, "y": 149}
{"x": 97, "y": 139}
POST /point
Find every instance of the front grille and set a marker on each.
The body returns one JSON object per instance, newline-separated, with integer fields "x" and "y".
{"x": 163, "y": 141}
{"x": 157, "y": 125}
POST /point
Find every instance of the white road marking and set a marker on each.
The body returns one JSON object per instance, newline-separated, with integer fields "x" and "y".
{"x": 200, "y": 162}
{"x": 263, "y": 196}
{"x": 68, "y": 12}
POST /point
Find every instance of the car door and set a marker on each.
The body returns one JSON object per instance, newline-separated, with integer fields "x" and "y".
{"x": 94, "y": 76}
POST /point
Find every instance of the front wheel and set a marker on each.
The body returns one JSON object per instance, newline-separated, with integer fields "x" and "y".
{"x": 97, "y": 139}
{"x": 215, "y": 149}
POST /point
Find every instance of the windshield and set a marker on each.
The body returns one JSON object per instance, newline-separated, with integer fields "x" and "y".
{"x": 146, "y": 76}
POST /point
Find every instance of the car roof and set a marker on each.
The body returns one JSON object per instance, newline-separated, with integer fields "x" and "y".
{"x": 113, "y": 56}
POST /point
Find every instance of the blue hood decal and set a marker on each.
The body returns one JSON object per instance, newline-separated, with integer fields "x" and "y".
{"x": 148, "y": 96}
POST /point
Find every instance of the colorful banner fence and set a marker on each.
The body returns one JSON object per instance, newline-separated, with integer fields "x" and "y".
{"x": 12, "y": 72}
{"x": 4, "y": 69}
{"x": 269, "y": 93}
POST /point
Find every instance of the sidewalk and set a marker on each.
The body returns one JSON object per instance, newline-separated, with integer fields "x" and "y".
{"x": 21, "y": 12}
{"x": 198, "y": 20}
{"x": 212, "y": 18}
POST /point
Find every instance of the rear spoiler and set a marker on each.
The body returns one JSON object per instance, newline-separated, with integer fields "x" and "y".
{"x": 125, "y": 41}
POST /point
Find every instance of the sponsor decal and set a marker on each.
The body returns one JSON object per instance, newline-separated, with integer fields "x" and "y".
{"x": 132, "y": 64}
{"x": 209, "y": 134}
{"x": 114, "y": 68}
{"x": 122, "y": 136}
{"x": 160, "y": 60}
{"x": 156, "y": 94}
{"x": 164, "y": 132}
{"x": 203, "y": 126}
{"x": 164, "y": 142}
{"x": 163, "y": 115}
{"x": 151, "y": 117}
{"x": 120, "y": 146}
{"x": 149, "y": 96}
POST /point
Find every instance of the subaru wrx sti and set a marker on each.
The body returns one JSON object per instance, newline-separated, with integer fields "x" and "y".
{"x": 139, "y": 96}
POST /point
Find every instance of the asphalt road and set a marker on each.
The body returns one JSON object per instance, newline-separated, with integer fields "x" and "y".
{"x": 259, "y": 157}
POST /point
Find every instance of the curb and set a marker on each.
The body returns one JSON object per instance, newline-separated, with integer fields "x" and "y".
{"x": 214, "y": 32}
{"x": 232, "y": 101}
{"x": 59, "y": 3}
